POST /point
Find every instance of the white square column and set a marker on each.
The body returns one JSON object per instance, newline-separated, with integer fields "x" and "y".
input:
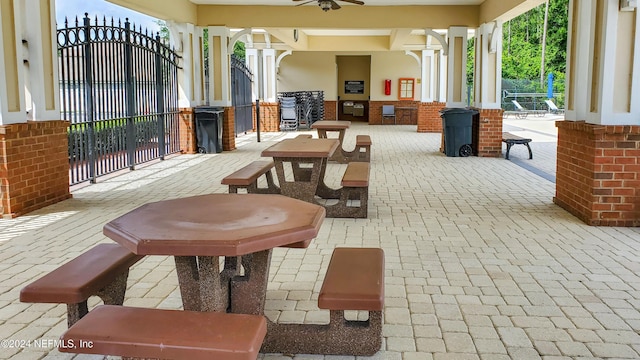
{"x": 41, "y": 60}
{"x": 607, "y": 39}
{"x": 187, "y": 40}
{"x": 488, "y": 66}
{"x": 269, "y": 75}
{"x": 429, "y": 75}
{"x": 12, "y": 99}
{"x": 251, "y": 60}
{"x": 219, "y": 67}
{"x": 457, "y": 67}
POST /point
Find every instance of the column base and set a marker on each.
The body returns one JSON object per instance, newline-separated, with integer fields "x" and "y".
{"x": 489, "y": 132}
{"x": 269, "y": 117}
{"x": 35, "y": 174}
{"x": 598, "y": 173}
{"x": 187, "y": 129}
{"x": 429, "y": 119}
{"x": 229, "y": 129}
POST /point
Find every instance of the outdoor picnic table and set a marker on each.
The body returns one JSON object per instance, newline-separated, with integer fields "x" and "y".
{"x": 196, "y": 231}
{"x": 339, "y": 126}
{"x": 307, "y": 182}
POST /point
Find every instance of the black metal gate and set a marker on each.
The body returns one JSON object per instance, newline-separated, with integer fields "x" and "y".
{"x": 241, "y": 99}
{"x": 119, "y": 90}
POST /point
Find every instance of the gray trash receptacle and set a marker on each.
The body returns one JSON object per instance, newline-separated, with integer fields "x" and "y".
{"x": 456, "y": 129}
{"x": 358, "y": 110}
{"x": 209, "y": 128}
{"x": 347, "y": 107}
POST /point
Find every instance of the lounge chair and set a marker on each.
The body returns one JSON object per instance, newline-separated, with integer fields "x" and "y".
{"x": 553, "y": 108}
{"x": 521, "y": 109}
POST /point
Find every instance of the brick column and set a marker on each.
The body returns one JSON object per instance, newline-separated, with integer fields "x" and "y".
{"x": 429, "y": 119}
{"x": 269, "y": 117}
{"x": 229, "y": 129}
{"x": 598, "y": 173}
{"x": 330, "y": 110}
{"x": 187, "y": 129}
{"x": 490, "y": 133}
{"x": 34, "y": 166}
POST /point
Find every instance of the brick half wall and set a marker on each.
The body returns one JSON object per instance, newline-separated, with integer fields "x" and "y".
{"x": 490, "y": 132}
{"x": 229, "y": 129}
{"x": 187, "y": 129}
{"x": 34, "y": 166}
{"x": 598, "y": 173}
{"x": 269, "y": 117}
{"x": 429, "y": 119}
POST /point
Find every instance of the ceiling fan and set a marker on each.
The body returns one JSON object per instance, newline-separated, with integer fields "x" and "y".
{"x": 327, "y": 5}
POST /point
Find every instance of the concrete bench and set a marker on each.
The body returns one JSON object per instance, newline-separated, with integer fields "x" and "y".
{"x": 355, "y": 281}
{"x": 101, "y": 271}
{"x": 247, "y": 178}
{"x": 355, "y": 186}
{"x": 166, "y": 334}
{"x": 362, "y": 151}
{"x": 511, "y": 139}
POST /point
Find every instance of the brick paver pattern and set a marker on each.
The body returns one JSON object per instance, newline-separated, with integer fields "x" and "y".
{"x": 480, "y": 264}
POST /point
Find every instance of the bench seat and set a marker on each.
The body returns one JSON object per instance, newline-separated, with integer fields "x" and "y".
{"x": 102, "y": 271}
{"x": 247, "y": 178}
{"x": 356, "y": 175}
{"x": 355, "y": 186}
{"x": 166, "y": 334}
{"x": 511, "y": 139}
{"x": 354, "y": 280}
{"x": 362, "y": 151}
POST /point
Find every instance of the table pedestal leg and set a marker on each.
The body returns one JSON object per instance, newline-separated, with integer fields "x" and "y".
{"x": 305, "y": 181}
{"x": 201, "y": 285}
{"x": 248, "y": 292}
{"x": 188, "y": 278}
{"x": 322, "y": 189}
{"x": 339, "y": 155}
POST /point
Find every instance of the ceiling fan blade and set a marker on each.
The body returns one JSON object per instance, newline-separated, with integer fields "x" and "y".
{"x": 304, "y": 3}
{"x": 357, "y": 2}
{"x": 334, "y": 5}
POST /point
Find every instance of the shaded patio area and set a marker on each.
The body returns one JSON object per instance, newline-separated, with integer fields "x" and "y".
{"x": 480, "y": 264}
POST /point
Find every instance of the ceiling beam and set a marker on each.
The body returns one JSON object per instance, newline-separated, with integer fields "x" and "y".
{"x": 348, "y": 17}
{"x": 178, "y": 11}
{"x": 287, "y": 37}
{"x": 505, "y": 10}
{"x": 398, "y": 38}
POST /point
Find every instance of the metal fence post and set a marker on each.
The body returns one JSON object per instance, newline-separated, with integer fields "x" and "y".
{"x": 88, "y": 93}
{"x": 129, "y": 95}
{"x": 160, "y": 108}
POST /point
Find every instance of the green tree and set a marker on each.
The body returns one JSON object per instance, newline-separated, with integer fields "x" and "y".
{"x": 522, "y": 37}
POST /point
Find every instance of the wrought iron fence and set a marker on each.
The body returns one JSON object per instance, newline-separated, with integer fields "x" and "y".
{"x": 241, "y": 85}
{"x": 119, "y": 90}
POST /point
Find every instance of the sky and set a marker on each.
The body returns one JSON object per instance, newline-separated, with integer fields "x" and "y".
{"x": 100, "y": 8}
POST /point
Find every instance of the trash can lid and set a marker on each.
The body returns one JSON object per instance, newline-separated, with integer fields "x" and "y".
{"x": 458, "y": 111}
{"x": 208, "y": 109}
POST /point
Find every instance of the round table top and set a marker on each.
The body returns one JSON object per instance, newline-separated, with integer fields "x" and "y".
{"x": 217, "y": 225}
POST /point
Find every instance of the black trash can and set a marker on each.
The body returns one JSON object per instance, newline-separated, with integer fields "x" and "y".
{"x": 456, "y": 129}
{"x": 209, "y": 129}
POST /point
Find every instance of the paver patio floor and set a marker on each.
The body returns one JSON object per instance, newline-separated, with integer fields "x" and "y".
{"x": 480, "y": 264}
